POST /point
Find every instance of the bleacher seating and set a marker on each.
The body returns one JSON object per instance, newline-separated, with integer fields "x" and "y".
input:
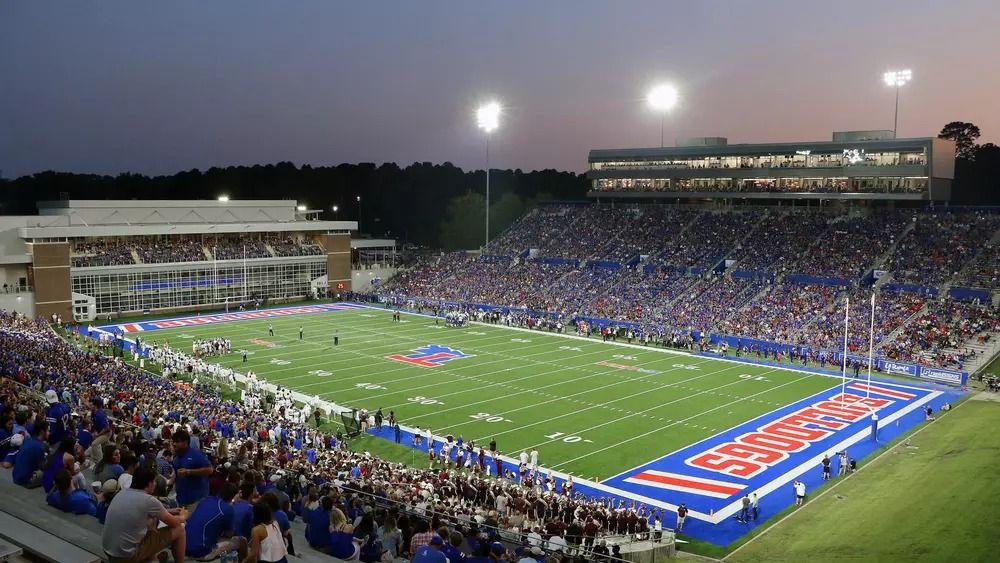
{"x": 680, "y": 243}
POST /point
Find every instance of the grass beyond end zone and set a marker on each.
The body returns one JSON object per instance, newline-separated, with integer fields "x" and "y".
{"x": 932, "y": 501}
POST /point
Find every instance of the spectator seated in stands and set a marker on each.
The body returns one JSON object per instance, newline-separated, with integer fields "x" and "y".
{"x": 66, "y": 497}
{"x": 209, "y": 529}
{"x": 30, "y": 458}
{"x": 128, "y": 536}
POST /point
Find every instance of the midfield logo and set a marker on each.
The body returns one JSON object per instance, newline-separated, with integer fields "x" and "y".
{"x": 430, "y": 356}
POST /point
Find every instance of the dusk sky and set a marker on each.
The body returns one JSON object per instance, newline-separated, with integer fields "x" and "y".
{"x": 158, "y": 87}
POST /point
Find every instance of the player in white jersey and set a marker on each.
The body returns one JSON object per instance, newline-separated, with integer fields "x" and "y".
{"x": 534, "y": 460}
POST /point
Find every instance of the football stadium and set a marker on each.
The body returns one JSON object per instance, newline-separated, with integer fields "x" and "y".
{"x": 710, "y": 350}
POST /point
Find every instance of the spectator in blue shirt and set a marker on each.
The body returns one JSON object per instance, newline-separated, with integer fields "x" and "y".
{"x": 243, "y": 509}
{"x": 83, "y": 435}
{"x": 318, "y": 525}
{"x": 68, "y": 498}
{"x": 57, "y": 415}
{"x": 30, "y": 458}
{"x": 99, "y": 426}
{"x": 431, "y": 553}
{"x": 192, "y": 469}
{"x": 209, "y": 529}
{"x": 61, "y": 458}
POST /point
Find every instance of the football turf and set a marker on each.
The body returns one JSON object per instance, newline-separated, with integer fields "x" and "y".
{"x": 929, "y": 501}
{"x": 591, "y": 409}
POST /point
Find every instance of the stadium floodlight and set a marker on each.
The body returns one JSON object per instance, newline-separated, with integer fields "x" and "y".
{"x": 335, "y": 208}
{"x": 358, "y": 198}
{"x": 662, "y": 98}
{"x": 301, "y": 208}
{"x": 896, "y": 79}
{"x": 488, "y": 119}
{"x": 223, "y": 198}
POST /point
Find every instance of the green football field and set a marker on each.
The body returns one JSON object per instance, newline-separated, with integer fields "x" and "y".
{"x": 590, "y": 408}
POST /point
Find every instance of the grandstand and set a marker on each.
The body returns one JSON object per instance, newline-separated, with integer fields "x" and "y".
{"x": 776, "y": 276}
{"x": 84, "y": 259}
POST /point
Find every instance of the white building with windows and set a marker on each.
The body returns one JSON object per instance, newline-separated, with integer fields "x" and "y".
{"x": 853, "y": 165}
{"x": 83, "y": 258}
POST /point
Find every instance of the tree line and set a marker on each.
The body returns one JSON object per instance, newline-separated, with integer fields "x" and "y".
{"x": 438, "y": 205}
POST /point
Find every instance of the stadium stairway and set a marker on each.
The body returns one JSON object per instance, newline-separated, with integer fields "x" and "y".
{"x": 47, "y": 534}
{"x": 882, "y": 260}
{"x": 984, "y": 352}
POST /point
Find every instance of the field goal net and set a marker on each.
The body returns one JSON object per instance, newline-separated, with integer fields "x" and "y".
{"x": 351, "y": 424}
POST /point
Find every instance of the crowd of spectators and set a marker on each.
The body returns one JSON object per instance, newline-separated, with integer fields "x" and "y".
{"x": 938, "y": 336}
{"x": 709, "y": 238}
{"x": 851, "y": 245}
{"x": 674, "y": 239}
{"x": 708, "y": 304}
{"x": 780, "y": 241}
{"x": 984, "y": 271}
{"x": 892, "y": 310}
{"x": 158, "y": 250}
{"x": 88, "y": 254}
{"x": 639, "y": 296}
{"x": 160, "y": 449}
{"x": 290, "y": 247}
{"x": 940, "y": 244}
{"x": 780, "y": 314}
{"x": 238, "y": 249}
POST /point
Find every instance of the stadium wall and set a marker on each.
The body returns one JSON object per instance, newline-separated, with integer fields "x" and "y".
{"x": 338, "y": 261}
{"x": 50, "y": 267}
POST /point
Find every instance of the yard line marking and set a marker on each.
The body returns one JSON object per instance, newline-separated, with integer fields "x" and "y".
{"x": 619, "y": 419}
{"x": 556, "y": 398}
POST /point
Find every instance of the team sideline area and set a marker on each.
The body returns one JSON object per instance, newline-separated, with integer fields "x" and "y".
{"x": 645, "y": 426}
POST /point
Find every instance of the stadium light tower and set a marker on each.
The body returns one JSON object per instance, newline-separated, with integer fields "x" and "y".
{"x": 359, "y": 215}
{"x": 488, "y": 119}
{"x": 895, "y": 79}
{"x": 662, "y": 98}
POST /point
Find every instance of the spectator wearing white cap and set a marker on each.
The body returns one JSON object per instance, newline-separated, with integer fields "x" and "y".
{"x": 57, "y": 414}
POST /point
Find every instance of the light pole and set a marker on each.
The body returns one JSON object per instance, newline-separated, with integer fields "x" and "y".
{"x": 488, "y": 119}
{"x": 895, "y": 79}
{"x": 335, "y": 209}
{"x": 359, "y": 215}
{"x": 662, "y": 98}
